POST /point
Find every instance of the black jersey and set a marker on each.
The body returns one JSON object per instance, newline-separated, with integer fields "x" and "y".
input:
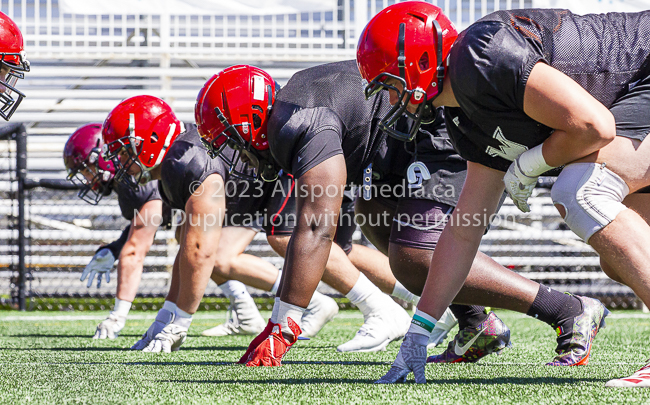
{"x": 132, "y": 200}
{"x": 187, "y": 164}
{"x": 322, "y": 112}
{"x": 492, "y": 59}
{"x": 432, "y": 147}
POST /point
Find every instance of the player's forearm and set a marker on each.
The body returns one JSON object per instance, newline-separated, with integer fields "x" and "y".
{"x": 306, "y": 258}
{"x": 563, "y": 147}
{"x": 449, "y": 268}
{"x": 196, "y": 264}
{"x": 129, "y": 274}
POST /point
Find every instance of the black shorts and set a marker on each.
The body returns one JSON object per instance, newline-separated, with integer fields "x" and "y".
{"x": 631, "y": 111}
{"x": 346, "y": 226}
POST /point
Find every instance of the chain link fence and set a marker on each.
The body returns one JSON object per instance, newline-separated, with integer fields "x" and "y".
{"x": 63, "y": 233}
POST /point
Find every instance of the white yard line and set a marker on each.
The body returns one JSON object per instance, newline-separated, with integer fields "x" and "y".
{"x": 152, "y": 315}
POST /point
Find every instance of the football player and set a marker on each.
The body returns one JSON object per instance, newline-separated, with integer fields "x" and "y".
{"x": 146, "y": 141}
{"x": 142, "y": 207}
{"x": 323, "y": 131}
{"x": 13, "y": 66}
{"x": 528, "y": 91}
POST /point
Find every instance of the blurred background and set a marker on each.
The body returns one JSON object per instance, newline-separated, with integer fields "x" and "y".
{"x": 88, "y": 55}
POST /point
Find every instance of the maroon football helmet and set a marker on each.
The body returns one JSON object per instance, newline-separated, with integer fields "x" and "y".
{"x": 86, "y": 167}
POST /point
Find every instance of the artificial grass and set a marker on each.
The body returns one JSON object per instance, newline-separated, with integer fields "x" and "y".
{"x": 50, "y": 358}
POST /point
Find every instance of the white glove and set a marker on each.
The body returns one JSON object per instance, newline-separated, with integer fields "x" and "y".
{"x": 110, "y": 327}
{"x": 167, "y": 340}
{"x": 163, "y": 318}
{"x": 412, "y": 357}
{"x": 101, "y": 263}
{"x": 519, "y": 186}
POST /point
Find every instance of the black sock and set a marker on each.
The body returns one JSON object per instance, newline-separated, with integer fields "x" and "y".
{"x": 554, "y": 307}
{"x": 468, "y": 315}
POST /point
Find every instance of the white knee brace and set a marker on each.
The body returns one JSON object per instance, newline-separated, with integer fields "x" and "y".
{"x": 591, "y": 195}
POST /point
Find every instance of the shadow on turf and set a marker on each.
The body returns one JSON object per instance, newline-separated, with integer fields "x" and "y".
{"x": 45, "y": 335}
{"x": 102, "y": 349}
{"x": 483, "y": 381}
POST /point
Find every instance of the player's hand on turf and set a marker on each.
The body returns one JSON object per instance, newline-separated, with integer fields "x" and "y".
{"x": 270, "y": 352}
{"x": 110, "y": 327}
{"x": 256, "y": 342}
{"x": 412, "y": 357}
{"x": 519, "y": 186}
{"x": 163, "y": 318}
{"x": 101, "y": 263}
{"x": 167, "y": 340}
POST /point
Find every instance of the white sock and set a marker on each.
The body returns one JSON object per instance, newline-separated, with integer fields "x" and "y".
{"x": 363, "y": 294}
{"x": 286, "y": 311}
{"x": 234, "y": 289}
{"x": 276, "y": 308}
{"x": 121, "y": 308}
{"x": 276, "y": 285}
{"x": 169, "y": 306}
{"x": 399, "y": 291}
{"x": 182, "y": 318}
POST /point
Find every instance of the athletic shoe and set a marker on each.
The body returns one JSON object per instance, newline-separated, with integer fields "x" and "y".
{"x": 243, "y": 319}
{"x": 445, "y": 324}
{"x": 321, "y": 309}
{"x": 574, "y": 344}
{"x": 475, "y": 342}
{"x": 387, "y": 323}
{"x": 639, "y": 379}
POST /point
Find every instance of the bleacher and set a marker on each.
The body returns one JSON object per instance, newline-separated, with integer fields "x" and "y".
{"x": 84, "y": 64}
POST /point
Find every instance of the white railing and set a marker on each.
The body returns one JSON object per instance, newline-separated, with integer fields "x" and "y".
{"x": 328, "y": 34}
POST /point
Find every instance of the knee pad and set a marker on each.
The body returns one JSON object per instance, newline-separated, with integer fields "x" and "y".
{"x": 591, "y": 195}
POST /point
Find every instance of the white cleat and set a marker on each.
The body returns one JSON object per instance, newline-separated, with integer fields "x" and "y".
{"x": 321, "y": 309}
{"x": 640, "y": 379}
{"x": 243, "y": 319}
{"x": 385, "y": 324}
{"x": 443, "y": 326}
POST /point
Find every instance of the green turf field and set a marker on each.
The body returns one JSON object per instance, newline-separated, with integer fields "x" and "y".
{"x": 48, "y": 358}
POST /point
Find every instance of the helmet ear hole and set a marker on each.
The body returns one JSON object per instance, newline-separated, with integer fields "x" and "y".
{"x": 154, "y": 137}
{"x": 423, "y": 63}
{"x": 257, "y": 121}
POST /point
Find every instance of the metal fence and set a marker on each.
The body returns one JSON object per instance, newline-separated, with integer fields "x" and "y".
{"x": 84, "y": 64}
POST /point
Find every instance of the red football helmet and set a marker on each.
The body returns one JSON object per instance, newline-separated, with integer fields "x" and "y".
{"x": 232, "y": 109}
{"x": 13, "y": 66}
{"x": 85, "y": 164}
{"x": 140, "y": 130}
{"x": 407, "y": 42}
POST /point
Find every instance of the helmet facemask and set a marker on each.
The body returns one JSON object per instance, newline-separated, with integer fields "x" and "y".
{"x": 425, "y": 112}
{"x": 99, "y": 186}
{"x": 9, "y": 104}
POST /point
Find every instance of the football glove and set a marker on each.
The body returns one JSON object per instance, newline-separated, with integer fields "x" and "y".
{"x": 101, "y": 263}
{"x": 412, "y": 357}
{"x": 167, "y": 340}
{"x": 519, "y": 186}
{"x": 256, "y": 342}
{"x": 163, "y": 318}
{"x": 271, "y": 351}
{"x": 110, "y": 327}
